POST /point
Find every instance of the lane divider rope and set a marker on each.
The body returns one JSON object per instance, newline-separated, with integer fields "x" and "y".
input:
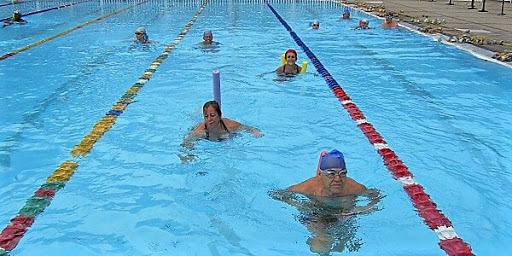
{"x": 22, "y": 49}
{"x": 49, "y": 9}
{"x": 450, "y": 242}
{"x": 11, "y": 3}
{"x": 35, "y": 205}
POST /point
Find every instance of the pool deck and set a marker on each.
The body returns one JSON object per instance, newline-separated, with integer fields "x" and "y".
{"x": 483, "y": 30}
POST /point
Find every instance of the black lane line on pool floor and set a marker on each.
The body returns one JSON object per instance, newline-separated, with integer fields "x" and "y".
{"x": 427, "y": 209}
{"x": 18, "y": 226}
{"x": 32, "y": 45}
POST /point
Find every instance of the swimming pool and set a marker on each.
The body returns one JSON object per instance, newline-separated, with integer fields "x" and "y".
{"x": 444, "y": 112}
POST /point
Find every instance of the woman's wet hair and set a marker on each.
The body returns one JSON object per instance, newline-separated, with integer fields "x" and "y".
{"x": 215, "y": 106}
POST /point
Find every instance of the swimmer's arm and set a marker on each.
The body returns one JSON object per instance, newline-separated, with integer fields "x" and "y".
{"x": 286, "y": 196}
{"x": 236, "y": 126}
{"x": 251, "y": 129}
{"x": 263, "y": 74}
{"x": 306, "y": 187}
{"x": 196, "y": 134}
{"x": 280, "y": 69}
{"x": 188, "y": 142}
{"x": 371, "y": 194}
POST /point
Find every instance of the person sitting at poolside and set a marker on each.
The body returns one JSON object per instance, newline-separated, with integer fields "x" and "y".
{"x": 207, "y": 39}
{"x": 215, "y": 127}
{"x": 290, "y": 67}
{"x": 315, "y": 24}
{"x": 346, "y": 14}
{"x": 389, "y": 22}
{"x": 363, "y": 24}
{"x": 141, "y": 36}
{"x": 332, "y": 199}
{"x": 15, "y": 19}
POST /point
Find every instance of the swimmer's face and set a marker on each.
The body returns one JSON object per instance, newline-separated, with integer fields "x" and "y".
{"x": 290, "y": 58}
{"x": 211, "y": 117}
{"x": 389, "y": 19}
{"x": 315, "y": 25}
{"x": 333, "y": 180}
{"x": 346, "y": 15}
{"x": 208, "y": 38}
{"x": 139, "y": 36}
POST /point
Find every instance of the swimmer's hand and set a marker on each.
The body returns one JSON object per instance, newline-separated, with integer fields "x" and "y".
{"x": 266, "y": 73}
{"x": 357, "y": 210}
{"x": 186, "y": 158}
{"x": 256, "y": 133}
{"x": 372, "y": 194}
{"x": 251, "y": 129}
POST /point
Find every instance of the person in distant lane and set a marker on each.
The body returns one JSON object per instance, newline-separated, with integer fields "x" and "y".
{"x": 346, "y": 14}
{"x": 141, "y": 36}
{"x": 389, "y": 22}
{"x": 289, "y": 67}
{"x": 15, "y": 19}
{"x": 363, "y": 24}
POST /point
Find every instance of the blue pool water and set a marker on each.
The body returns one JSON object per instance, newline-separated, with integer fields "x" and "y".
{"x": 443, "y": 111}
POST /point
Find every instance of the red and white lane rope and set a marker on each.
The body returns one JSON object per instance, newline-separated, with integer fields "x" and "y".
{"x": 449, "y": 241}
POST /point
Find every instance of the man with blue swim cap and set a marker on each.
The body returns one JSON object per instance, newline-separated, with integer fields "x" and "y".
{"x": 332, "y": 196}
{"x": 333, "y": 159}
{"x": 331, "y": 179}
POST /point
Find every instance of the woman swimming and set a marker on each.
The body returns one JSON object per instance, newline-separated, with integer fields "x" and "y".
{"x": 289, "y": 68}
{"x": 215, "y": 127}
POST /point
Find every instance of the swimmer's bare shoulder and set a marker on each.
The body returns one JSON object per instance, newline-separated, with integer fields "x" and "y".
{"x": 306, "y": 187}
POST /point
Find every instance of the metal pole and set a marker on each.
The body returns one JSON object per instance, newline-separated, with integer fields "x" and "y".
{"x": 483, "y": 6}
{"x": 472, "y": 5}
{"x": 450, "y": 3}
{"x": 216, "y": 86}
{"x": 502, "y": 6}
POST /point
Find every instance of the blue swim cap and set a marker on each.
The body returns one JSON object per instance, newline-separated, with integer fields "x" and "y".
{"x": 333, "y": 159}
{"x": 346, "y": 10}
